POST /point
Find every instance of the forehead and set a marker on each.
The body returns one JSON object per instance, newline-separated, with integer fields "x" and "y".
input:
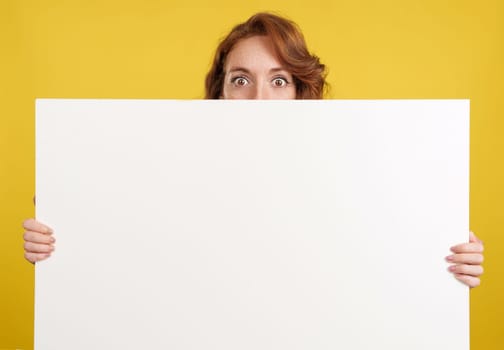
{"x": 256, "y": 52}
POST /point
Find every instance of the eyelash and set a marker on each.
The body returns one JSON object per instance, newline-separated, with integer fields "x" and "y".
{"x": 235, "y": 79}
{"x": 286, "y": 82}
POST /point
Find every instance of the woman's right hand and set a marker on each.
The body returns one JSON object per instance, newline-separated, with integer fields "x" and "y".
{"x": 39, "y": 242}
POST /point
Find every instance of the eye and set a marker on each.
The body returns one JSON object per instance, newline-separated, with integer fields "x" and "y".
{"x": 239, "y": 81}
{"x": 280, "y": 82}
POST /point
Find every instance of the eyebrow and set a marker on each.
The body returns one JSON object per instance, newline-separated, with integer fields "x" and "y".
{"x": 245, "y": 70}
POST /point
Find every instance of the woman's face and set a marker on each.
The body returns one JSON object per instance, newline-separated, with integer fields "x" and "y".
{"x": 253, "y": 71}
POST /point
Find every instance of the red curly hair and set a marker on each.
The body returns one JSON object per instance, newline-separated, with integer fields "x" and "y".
{"x": 289, "y": 44}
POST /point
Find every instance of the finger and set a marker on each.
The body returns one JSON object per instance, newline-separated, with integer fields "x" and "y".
{"x": 469, "y": 280}
{"x": 34, "y": 257}
{"x": 467, "y": 248}
{"x": 470, "y": 270}
{"x": 470, "y": 259}
{"x": 37, "y": 237}
{"x": 34, "y": 225}
{"x": 38, "y": 248}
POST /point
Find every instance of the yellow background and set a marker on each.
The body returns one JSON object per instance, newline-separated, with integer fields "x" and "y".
{"x": 162, "y": 49}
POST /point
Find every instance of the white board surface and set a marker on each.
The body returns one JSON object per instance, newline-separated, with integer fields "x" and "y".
{"x": 252, "y": 224}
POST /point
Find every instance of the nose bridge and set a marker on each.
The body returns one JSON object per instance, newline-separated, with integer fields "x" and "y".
{"x": 261, "y": 91}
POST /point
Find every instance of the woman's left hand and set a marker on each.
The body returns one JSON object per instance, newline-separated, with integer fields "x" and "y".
{"x": 467, "y": 259}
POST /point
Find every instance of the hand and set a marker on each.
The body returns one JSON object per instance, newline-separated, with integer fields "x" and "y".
{"x": 467, "y": 259}
{"x": 38, "y": 241}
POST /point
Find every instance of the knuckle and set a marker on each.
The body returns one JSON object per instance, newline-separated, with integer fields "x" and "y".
{"x": 458, "y": 258}
{"x": 462, "y": 269}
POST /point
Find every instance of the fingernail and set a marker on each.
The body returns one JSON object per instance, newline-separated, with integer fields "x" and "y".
{"x": 52, "y": 240}
{"x": 52, "y": 248}
{"x": 451, "y": 268}
{"x": 449, "y": 258}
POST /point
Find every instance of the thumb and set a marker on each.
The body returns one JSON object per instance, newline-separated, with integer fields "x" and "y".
{"x": 473, "y": 238}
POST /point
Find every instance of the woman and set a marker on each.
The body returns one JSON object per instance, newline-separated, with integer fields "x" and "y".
{"x": 266, "y": 58}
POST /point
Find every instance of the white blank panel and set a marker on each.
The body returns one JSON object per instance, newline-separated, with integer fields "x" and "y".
{"x": 236, "y": 225}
